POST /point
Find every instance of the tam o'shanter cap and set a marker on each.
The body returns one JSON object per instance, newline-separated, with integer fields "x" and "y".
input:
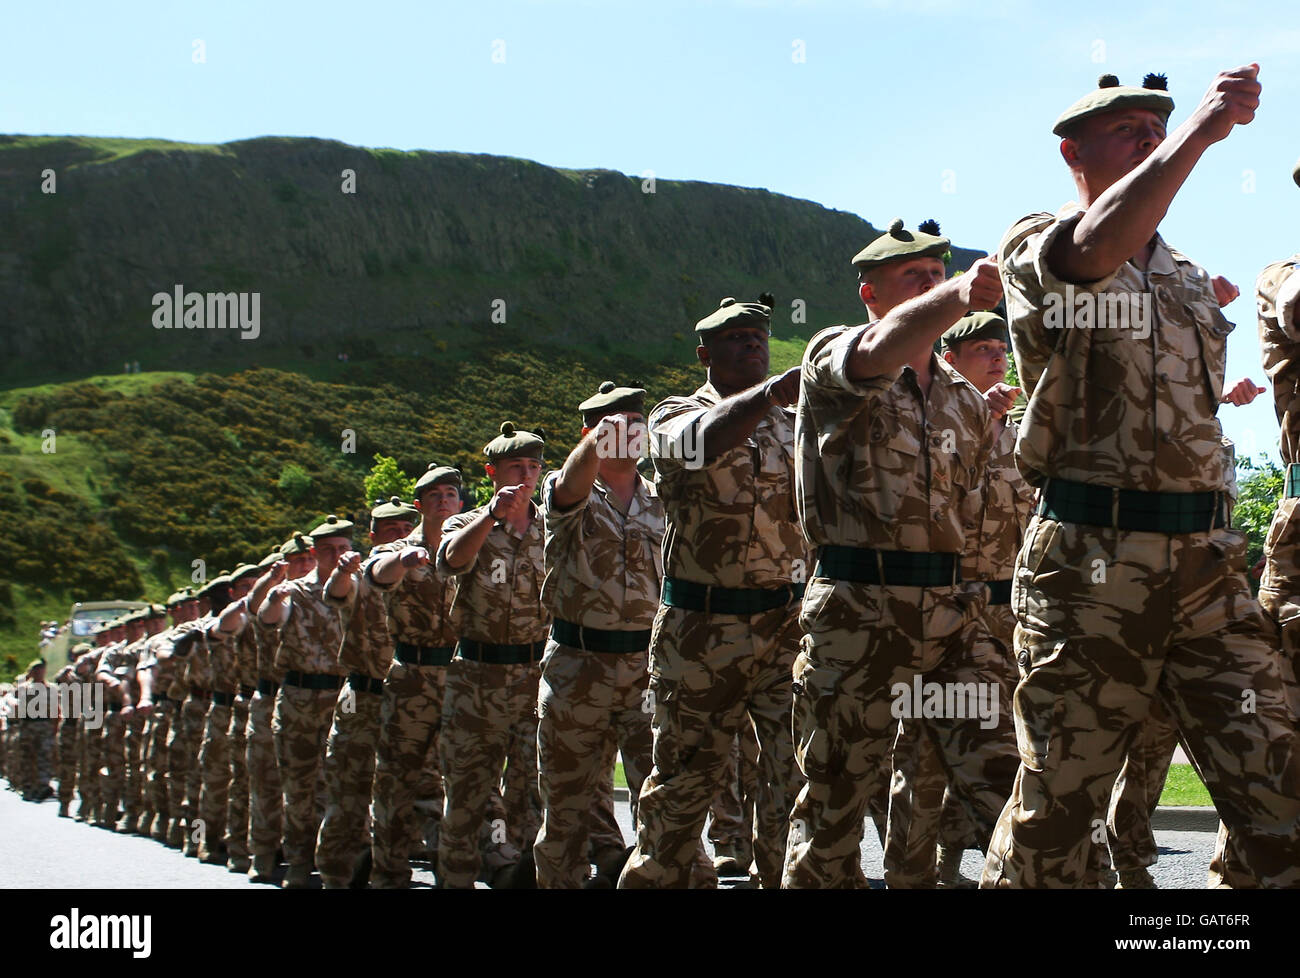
{"x": 296, "y": 544}
{"x": 395, "y": 509}
{"x": 1110, "y": 95}
{"x": 436, "y": 475}
{"x": 269, "y": 559}
{"x": 243, "y": 570}
{"x": 178, "y": 597}
{"x": 609, "y": 400}
{"x": 732, "y": 313}
{"x": 975, "y": 325}
{"x": 332, "y": 526}
{"x": 898, "y": 243}
{"x": 515, "y": 442}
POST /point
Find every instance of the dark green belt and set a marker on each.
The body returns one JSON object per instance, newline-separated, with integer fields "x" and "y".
{"x": 1132, "y": 509}
{"x": 896, "y": 568}
{"x": 364, "y": 684}
{"x": 268, "y": 687}
{"x": 500, "y": 655}
{"x": 312, "y": 680}
{"x": 690, "y": 596}
{"x": 999, "y": 592}
{"x": 1292, "y": 480}
{"x": 423, "y": 655}
{"x": 222, "y": 699}
{"x": 599, "y": 639}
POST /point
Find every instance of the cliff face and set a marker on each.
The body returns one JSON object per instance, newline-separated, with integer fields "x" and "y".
{"x": 430, "y": 245}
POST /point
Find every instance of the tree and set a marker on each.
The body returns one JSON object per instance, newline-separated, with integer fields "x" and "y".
{"x": 294, "y": 481}
{"x": 1257, "y": 498}
{"x": 386, "y": 480}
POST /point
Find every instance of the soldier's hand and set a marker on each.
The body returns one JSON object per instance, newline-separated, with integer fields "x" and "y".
{"x": 279, "y": 591}
{"x": 1000, "y": 399}
{"x": 1232, "y": 99}
{"x": 413, "y": 557}
{"x": 127, "y": 711}
{"x": 1224, "y": 291}
{"x": 1258, "y": 570}
{"x": 350, "y": 562}
{"x": 783, "y": 390}
{"x": 981, "y": 286}
{"x": 509, "y": 503}
{"x": 1242, "y": 392}
{"x": 145, "y": 708}
{"x": 278, "y": 571}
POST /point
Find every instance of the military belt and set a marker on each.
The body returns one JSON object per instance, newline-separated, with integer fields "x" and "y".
{"x": 892, "y": 568}
{"x": 112, "y": 708}
{"x": 268, "y": 687}
{"x": 1292, "y": 480}
{"x": 364, "y": 684}
{"x": 1133, "y": 509}
{"x": 599, "y": 639}
{"x": 692, "y": 596}
{"x": 247, "y": 691}
{"x": 999, "y": 592}
{"x": 312, "y": 680}
{"x": 423, "y": 655}
{"x": 222, "y": 699}
{"x": 500, "y": 655}
{"x": 198, "y": 693}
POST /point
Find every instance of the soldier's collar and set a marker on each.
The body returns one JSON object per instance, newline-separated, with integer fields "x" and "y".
{"x": 1163, "y": 261}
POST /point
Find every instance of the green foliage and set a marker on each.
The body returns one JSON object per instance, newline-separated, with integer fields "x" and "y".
{"x": 294, "y": 482}
{"x": 386, "y": 479}
{"x": 483, "y": 491}
{"x": 1257, "y": 498}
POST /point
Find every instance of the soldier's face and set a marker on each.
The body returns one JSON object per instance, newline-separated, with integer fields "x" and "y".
{"x": 299, "y": 565}
{"x": 737, "y": 358}
{"x": 893, "y": 283}
{"x": 185, "y": 611}
{"x": 516, "y": 471}
{"x": 981, "y": 361}
{"x": 386, "y": 531}
{"x": 1111, "y": 145}
{"x": 328, "y": 550}
{"x": 241, "y": 587}
{"x": 439, "y": 502}
{"x": 630, "y": 442}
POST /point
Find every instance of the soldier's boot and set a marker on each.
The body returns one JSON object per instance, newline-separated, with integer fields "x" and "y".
{"x": 212, "y": 855}
{"x": 1136, "y": 879}
{"x": 126, "y": 824}
{"x": 63, "y": 809}
{"x": 609, "y": 866}
{"x": 143, "y": 824}
{"x": 175, "y": 834}
{"x": 238, "y": 864}
{"x": 263, "y": 870}
{"x": 83, "y": 812}
{"x": 949, "y": 869}
{"x": 726, "y": 860}
{"x": 1108, "y": 880}
{"x": 361, "y": 871}
{"x": 158, "y": 828}
{"x": 191, "y": 848}
{"x": 298, "y": 877}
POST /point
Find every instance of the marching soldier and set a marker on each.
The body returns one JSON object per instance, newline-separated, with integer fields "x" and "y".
{"x": 78, "y": 675}
{"x": 36, "y": 735}
{"x": 242, "y": 580}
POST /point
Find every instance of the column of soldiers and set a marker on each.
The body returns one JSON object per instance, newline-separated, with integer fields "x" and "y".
{"x": 759, "y": 627}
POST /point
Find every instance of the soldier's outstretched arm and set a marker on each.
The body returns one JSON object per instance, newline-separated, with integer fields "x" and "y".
{"x": 270, "y": 579}
{"x": 731, "y": 421}
{"x": 578, "y": 474}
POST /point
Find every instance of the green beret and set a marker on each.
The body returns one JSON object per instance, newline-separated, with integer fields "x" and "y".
{"x": 512, "y": 443}
{"x": 156, "y": 610}
{"x": 898, "y": 243}
{"x": 220, "y": 580}
{"x": 81, "y": 648}
{"x": 181, "y": 596}
{"x": 395, "y": 509}
{"x": 35, "y": 664}
{"x": 243, "y": 570}
{"x": 1110, "y": 95}
{"x": 732, "y": 313}
{"x": 296, "y": 544}
{"x": 1295, "y": 174}
{"x": 436, "y": 475}
{"x": 974, "y": 325}
{"x": 269, "y": 559}
{"x": 135, "y": 617}
{"x": 610, "y": 400}
{"x": 332, "y": 526}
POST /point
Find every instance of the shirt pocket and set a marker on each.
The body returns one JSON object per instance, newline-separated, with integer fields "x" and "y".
{"x": 884, "y": 470}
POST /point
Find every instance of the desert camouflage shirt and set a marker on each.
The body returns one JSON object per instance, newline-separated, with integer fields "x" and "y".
{"x": 268, "y": 648}
{"x": 882, "y": 465}
{"x": 367, "y": 647}
{"x": 310, "y": 637}
{"x": 1277, "y": 294}
{"x": 222, "y": 658}
{"x": 604, "y": 566}
{"x": 995, "y": 536}
{"x": 197, "y": 671}
{"x": 246, "y": 653}
{"x": 161, "y": 655}
{"x": 499, "y": 594}
{"x": 1129, "y": 402}
{"x": 730, "y": 520}
{"x": 419, "y": 607}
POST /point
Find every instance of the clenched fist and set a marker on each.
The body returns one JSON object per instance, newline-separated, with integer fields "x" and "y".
{"x": 981, "y": 286}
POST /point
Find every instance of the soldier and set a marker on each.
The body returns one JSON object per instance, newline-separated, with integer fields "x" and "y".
{"x": 88, "y": 787}
{"x": 76, "y": 674}
{"x": 892, "y": 445}
{"x": 424, "y": 636}
{"x": 1131, "y": 585}
{"x": 156, "y": 672}
{"x": 117, "y": 670}
{"x": 358, "y": 588}
{"x": 725, "y": 633}
{"x": 310, "y": 635}
{"x": 135, "y": 801}
{"x": 489, "y": 715}
{"x": 189, "y": 702}
{"x": 604, "y": 530}
{"x": 36, "y": 734}
{"x": 731, "y": 815}
{"x": 242, "y": 580}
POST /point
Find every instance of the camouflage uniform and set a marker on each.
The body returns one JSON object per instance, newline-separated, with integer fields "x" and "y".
{"x": 160, "y": 656}
{"x": 603, "y": 571}
{"x": 111, "y": 773}
{"x": 1110, "y": 616}
{"x": 884, "y": 469}
{"x": 922, "y": 813}
{"x": 193, "y": 687}
{"x": 265, "y": 800}
{"x": 35, "y": 743}
{"x": 69, "y": 743}
{"x": 731, "y": 816}
{"x": 133, "y": 746}
{"x": 419, "y": 617}
{"x": 366, "y": 654}
{"x": 490, "y": 711}
{"x": 214, "y": 753}
{"x": 237, "y": 849}
{"x": 309, "y": 646}
{"x": 731, "y": 533}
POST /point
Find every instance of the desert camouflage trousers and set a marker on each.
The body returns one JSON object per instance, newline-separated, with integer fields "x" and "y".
{"x": 731, "y": 816}
{"x": 489, "y": 719}
{"x": 36, "y": 753}
{"x": 406, "y": 757}
{"x": 587, "y": 701}
{"x": 214, "y": 773}
{"x": 349, "y": 778}
{"x": 69, "y": 754}
{"x": 867, "y": 650}
{"x": 133, "y": 749}
{"x": 1107, "y": 620}
{"x": 709, "y": 676}
{"x": 265, "y": 802}
{"x": 923, "y": 812}
{"x": 237, "y": 806}
{"x": 183, "y": 759}
{"x": 92, "y": 754}
{"x": 156, "y": 734}
{"x": 301, "y": 724}
{"x": 1137, "y": 791}
{"x": 113, "y": 765}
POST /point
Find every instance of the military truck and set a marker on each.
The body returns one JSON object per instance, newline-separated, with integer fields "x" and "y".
{"x": 83, "y": 619}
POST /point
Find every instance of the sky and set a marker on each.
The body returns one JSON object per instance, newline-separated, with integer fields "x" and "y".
{"x": 885, "y": 108}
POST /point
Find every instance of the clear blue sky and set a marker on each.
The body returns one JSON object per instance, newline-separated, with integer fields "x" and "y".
{"x": 917, "y": 109}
